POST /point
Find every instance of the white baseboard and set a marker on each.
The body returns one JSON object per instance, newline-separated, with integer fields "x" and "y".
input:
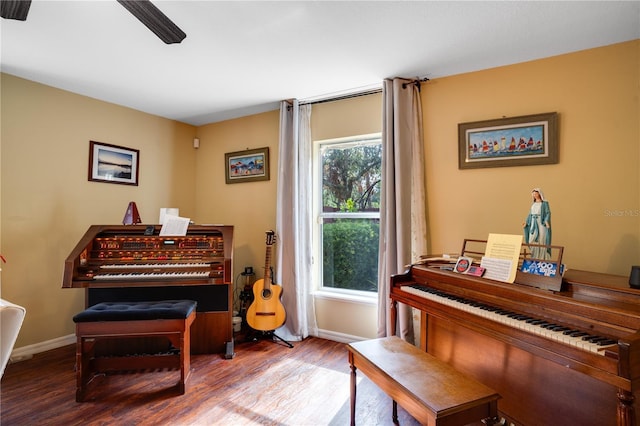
{"x": 339, "y": 337}
{"x": 26, "y": 352}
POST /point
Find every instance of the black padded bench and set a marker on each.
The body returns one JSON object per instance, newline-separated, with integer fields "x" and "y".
{"x": 170, "y": 319}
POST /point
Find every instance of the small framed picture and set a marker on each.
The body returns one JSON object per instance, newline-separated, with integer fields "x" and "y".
{"x": 463, "y": 265}
{"x": 113, "y": 164}
{"x": 247, "y": 166}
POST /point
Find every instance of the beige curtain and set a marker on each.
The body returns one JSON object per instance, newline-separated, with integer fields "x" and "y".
{"x": 293, "y": 221}
{"x": 403, "y": 225}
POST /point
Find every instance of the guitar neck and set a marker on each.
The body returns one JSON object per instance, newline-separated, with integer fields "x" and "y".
{"x": 267, "y": 268}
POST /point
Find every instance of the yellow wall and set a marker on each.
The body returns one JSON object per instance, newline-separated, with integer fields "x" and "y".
{"x": 249, "y": 206}
{"x": 48, "y": 203}
{"x": 351, "y": 117}
{"x": 594, "y": 191}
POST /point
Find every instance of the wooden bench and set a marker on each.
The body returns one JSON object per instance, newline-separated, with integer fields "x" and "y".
{"x": 170, "y": 319}
{"x": 432, "y": 391}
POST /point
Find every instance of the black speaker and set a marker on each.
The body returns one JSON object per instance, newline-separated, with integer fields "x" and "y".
{"x": 634, "y": 278}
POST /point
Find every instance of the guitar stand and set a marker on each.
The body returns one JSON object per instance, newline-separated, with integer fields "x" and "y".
{"x": 256, "y": 335}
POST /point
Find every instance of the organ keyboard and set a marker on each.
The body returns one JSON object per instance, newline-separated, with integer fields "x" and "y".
{"x": 135, "y": 263}
{"x": 557, "y": 357}
{"x": 105, "y": 252}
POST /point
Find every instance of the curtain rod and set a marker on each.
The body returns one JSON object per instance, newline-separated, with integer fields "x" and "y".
{"x": 342, "y": 97}
{"x": 415, "y": 82}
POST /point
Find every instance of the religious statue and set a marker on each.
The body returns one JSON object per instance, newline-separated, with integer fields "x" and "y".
{"x": 537, "y": 227}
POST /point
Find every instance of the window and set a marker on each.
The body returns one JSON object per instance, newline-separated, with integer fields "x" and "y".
{"x": 347, "y": 209}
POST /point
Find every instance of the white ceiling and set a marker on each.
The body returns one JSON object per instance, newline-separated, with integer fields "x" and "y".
{"x": 243, "y": 57}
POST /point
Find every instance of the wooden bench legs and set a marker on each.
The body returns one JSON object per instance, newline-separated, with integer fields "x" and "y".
{"x": 353, "y": 382}
{"x": 177, "y": 331}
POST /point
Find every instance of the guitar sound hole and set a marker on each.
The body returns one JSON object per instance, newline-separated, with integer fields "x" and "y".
{"x": 266, "y": 294}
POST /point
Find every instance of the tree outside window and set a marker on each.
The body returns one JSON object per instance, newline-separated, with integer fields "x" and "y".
{"x": 350, "y": 212}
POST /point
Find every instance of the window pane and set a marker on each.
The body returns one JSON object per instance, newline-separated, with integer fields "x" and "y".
{"x": 350, "y": 253}
{"x": 351, "y": 177}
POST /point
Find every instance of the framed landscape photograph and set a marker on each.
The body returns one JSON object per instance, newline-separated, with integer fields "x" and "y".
{"x": 515, "y": 141}
{"x": 113, "y": 164}
{"x": 247, "y": 166}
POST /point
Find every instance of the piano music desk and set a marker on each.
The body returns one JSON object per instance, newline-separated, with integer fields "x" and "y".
{"x": 170, "y": 319}
{"x": 433, "y": 392}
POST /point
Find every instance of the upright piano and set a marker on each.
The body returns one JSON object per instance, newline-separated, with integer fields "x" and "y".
{"x": 134, "y": 263}
{"x": 567, "y": 357}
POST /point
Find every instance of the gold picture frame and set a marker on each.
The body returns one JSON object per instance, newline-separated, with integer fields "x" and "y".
{"x": 247, "y": 166}
{"x": 516, "y": 141}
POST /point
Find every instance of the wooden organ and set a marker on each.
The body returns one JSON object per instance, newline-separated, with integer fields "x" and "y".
{"x": 134, "y": 263}
{"x": 569, "y": 357}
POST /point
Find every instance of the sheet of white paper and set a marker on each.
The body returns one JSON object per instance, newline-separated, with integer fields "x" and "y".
{"x": 174, "y": 226}
{"x": 496, "y": 269}
{"x": 505, "y": 248}
{"x": 168, "y": 211}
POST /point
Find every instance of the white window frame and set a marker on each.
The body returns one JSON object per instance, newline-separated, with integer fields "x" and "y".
{"x": 319, "y": 290}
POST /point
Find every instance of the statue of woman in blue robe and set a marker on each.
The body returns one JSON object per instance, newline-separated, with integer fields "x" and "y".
{"x": 537, "y": 227}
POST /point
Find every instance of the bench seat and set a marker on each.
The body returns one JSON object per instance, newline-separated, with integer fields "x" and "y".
{"x": 432, "y": 391}
{"x": 170, "y": 319}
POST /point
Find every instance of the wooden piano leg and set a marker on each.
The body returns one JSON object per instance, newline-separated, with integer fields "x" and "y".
{"x": 626, "y": 412}
{"x": 424, "y": 327}
{"x": 393, "y": 312}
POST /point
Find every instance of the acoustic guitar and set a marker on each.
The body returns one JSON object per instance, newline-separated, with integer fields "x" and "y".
{"x": 266, "y": 312}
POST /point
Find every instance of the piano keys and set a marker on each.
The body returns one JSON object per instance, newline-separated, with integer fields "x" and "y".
{"x": 135, "y": 263}
{"x": 557, "y": 357}
{"x": 551, "y": 330}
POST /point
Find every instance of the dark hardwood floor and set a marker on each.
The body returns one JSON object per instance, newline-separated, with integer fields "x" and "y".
{"x": 266, "y": 384}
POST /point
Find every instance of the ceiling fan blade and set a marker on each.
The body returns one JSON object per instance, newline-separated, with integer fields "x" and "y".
{"x": 15, "y": 9}
{"x": 155, "y": 20}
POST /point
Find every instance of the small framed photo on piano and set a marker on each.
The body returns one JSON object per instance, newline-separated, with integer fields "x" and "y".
{"x": 463, "y": 265}
{"x": 113, "y": 164}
